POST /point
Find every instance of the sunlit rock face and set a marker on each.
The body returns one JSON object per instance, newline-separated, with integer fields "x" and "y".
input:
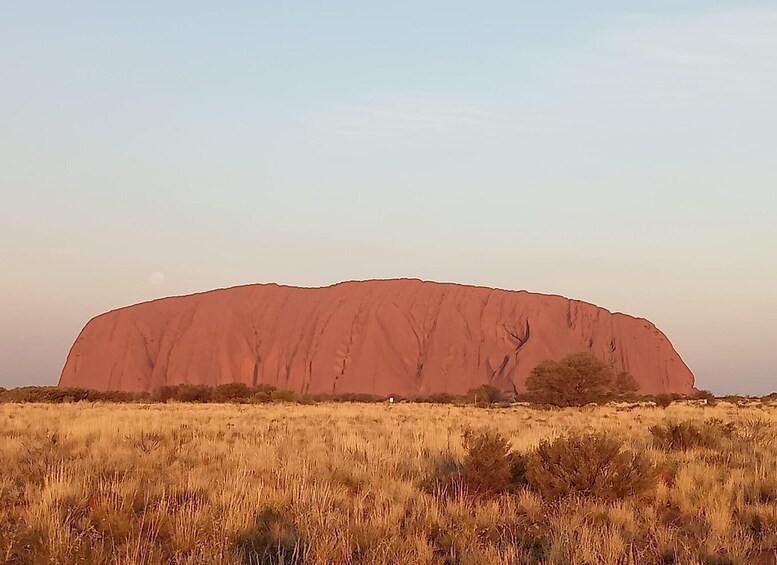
{"x": 384, "y": 337}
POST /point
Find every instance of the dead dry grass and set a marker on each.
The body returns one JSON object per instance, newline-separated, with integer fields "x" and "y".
{"x": 350, "y": 483}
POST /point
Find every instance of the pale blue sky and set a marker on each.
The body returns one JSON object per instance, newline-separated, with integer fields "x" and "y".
{"x": 618, "y": 153}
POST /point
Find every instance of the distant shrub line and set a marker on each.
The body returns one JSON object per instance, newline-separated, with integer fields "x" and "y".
{"x": 483, "y": 396}
{"x": 576, "y": 380}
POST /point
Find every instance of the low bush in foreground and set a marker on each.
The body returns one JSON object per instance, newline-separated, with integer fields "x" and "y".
{"x": 490, "y": 467}
{"x": 589, "y": 465}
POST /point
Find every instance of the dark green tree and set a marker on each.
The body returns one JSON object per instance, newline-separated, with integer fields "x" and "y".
{"x": 576, "y": 380}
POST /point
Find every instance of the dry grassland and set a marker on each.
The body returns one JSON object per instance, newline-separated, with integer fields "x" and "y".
{"x": 355, "y": 483}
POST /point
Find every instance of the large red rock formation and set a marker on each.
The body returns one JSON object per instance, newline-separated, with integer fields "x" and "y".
{"x": 382, "y": 337}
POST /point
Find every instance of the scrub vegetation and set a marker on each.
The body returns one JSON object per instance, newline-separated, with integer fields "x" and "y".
{"x": 331, "y": 483}
{"x": 576, "y": 380}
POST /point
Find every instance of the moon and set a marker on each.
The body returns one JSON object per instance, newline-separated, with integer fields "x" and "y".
{"x": 156, "y": 278}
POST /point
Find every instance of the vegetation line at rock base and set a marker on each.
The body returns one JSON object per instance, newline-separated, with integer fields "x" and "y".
{"x": 578, "y": 379}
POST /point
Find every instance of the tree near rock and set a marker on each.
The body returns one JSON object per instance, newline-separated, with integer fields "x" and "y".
{"x": 576, "y": 380}
{"x": 486, "y": 394}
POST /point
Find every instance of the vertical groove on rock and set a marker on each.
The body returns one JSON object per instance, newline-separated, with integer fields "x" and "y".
{"x": 521, "y": 341}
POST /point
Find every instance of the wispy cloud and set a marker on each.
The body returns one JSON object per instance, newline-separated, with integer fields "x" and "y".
{"x": 732, "y": 50}
{"x": 403, "y": 116}
{"x": 634, "y": 66}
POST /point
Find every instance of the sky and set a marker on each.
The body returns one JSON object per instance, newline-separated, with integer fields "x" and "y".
{"x": 620, "y": 153}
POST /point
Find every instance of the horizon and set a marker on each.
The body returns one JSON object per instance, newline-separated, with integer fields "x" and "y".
{"x": 612, "y": 153}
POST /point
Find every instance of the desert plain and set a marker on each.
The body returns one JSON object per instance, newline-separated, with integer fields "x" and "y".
{"x": 380, "y": 483}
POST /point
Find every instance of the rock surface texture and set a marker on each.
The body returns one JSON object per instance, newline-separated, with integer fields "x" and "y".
{"x": 382, "y": 337}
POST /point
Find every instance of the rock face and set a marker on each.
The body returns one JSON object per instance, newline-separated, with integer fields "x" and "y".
{"x": 382, "y": 337}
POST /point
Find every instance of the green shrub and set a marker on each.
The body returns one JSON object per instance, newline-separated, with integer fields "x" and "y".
{"x": 577, "y": 380}
{"x": 283, "y": 396}
{"x": 231, "y": 392}
{"x": 436, "y": 398}
{"x": 664, "y": 400}
{"x": 260, "y": 398}
{"x": 357, "y": 397}
{"x": 591, "y": 465}
{"x": 705, "y": 395}
{"x": 193, "y": 393}
{"x": 164, "y": 393}
{"x": 489, "y": 467}
{"x": 58, "y": 395}
{"x": 486, "y": 394}
{"x": 119, "y": 396}
{"x": 261, "y": 394}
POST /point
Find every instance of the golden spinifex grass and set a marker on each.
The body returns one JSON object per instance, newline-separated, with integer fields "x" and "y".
{"x": 353, "y": 483}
